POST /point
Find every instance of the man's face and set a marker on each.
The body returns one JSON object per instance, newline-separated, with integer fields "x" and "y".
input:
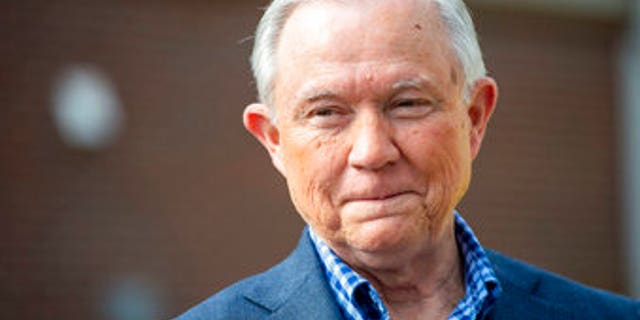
{"x": 372, "y": 134}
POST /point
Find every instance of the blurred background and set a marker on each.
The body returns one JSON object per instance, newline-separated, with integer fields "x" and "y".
{"x": 130, "y": 190}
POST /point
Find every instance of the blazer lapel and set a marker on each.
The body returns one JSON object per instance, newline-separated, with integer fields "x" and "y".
{"x": 313, "y": 301}
{"x": 297, "y": 288}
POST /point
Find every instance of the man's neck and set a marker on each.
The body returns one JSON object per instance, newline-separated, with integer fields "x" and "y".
{"x": 426, "y": 284}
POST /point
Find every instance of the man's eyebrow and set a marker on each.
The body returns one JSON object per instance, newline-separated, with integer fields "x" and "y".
{"x": 418, "y": 83}
{"x": 315, "y": 95}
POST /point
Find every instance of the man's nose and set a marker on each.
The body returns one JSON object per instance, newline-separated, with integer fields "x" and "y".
{"x": 373, "y": 146}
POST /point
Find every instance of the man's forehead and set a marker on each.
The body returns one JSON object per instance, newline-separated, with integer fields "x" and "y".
{"x": 413, "y": 6}
{"x": 337, "y": 44}
{"x": 360, "y": 26}
{"x": 373, "y": 12}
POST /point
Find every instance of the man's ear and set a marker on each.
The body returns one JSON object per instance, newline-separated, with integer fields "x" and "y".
{"x": 481, "y": 105}
{"x": 258, "y": 121}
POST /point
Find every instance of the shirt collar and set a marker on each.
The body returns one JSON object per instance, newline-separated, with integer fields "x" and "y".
{"x": 358, "y": 299}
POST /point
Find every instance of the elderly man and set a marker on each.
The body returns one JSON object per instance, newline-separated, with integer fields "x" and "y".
{"x": 373, "y": 111}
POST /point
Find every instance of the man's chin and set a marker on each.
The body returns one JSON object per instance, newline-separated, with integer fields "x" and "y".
{"x": 382, "y": 236}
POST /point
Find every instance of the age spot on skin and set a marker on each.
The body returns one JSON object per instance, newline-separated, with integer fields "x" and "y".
{"x": 454, "y": 76}
{"x": 417, "y": 26}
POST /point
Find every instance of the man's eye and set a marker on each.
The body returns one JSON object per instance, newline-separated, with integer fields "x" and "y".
{"x": 413, "y": 103}
{"x": 323, "y": 112}
{"x": 407, "y": 103}
{"x": 411, "y": 108}
{"x": 329, "y": 111}
{"x": 327, "y": 116}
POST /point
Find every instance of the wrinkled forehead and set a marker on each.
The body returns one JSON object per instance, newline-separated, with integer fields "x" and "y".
{"x": 359, "y": 29}
{"x": 362, "y": 32}
{"x": 422, "y": 15}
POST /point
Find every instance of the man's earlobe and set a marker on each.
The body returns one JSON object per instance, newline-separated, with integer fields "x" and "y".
{"x": 257, "y": 120}
{"x": 481, "y": 106}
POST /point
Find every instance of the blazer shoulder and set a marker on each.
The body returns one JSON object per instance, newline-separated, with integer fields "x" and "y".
{"x": 524, "y": 283}
{"x": 295, "y": 285}
{"x": 230, "y": 303}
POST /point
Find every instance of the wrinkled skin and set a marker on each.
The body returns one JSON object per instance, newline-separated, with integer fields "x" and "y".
{"x": 373, "y": 135}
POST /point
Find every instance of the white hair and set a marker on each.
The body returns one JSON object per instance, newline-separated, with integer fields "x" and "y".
{"x": 454, "y": 14}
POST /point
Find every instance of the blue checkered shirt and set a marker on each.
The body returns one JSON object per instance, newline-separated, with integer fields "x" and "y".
{"x": 358, "y": 300}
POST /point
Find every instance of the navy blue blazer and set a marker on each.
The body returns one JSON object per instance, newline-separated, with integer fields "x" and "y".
{"x": 296, "y": 289}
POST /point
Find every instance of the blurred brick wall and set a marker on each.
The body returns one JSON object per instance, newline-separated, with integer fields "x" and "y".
{"x": 177, "y": 202}
{"x": 174, "y": 204}
{"x": 545, "y": 184}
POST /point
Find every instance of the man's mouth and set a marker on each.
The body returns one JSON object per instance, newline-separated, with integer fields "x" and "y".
{"x": 376, "y": 196}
